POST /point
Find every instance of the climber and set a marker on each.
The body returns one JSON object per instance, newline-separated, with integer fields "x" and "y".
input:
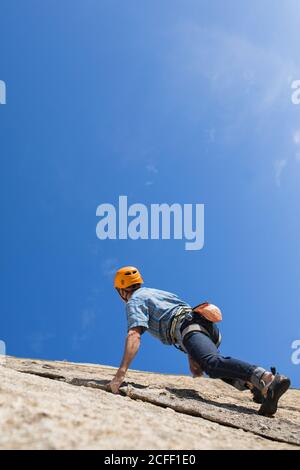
{"x": 194, "y": 331}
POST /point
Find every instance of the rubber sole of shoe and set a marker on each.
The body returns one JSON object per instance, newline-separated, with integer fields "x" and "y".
{"x": 269, "y": 406}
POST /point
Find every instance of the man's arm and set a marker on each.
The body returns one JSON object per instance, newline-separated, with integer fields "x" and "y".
{"x": 132, "y": 345}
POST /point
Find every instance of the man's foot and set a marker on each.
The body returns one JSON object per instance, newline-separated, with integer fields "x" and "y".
{"x": 257, "y": 396}
{"x": 279, "y": 385}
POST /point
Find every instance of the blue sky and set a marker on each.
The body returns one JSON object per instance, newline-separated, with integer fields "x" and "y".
{"x": 186, "y": 102}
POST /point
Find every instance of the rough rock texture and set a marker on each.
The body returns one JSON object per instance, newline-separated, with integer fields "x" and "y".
{"x": 61, "y": 405}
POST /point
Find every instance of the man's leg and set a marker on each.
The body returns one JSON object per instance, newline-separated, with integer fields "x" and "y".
{"x": 202, "y": 349}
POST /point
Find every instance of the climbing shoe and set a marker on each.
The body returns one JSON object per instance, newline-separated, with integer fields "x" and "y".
{"x": 257, "y": 396}
{"x": 276, "y": 389}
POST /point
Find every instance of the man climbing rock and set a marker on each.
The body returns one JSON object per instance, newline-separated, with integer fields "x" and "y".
{"x": 175, "y": 322}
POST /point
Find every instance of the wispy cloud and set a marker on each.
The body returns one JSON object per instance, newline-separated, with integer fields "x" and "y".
{"x": 109, "y": 267}
{"x": 88, "y": 317}
{"x": 296, "y": 140}
{"x": 244, "y": 79}
{"x": 232, "y": 69}
{"x": 38, "y": 340}
{"x": 87, "y": 322}
{"x": 296, "y": 137}
{"x": 279, "y": 166}
{"x": 151, "y": 168}
{"x": 211, "y": 135}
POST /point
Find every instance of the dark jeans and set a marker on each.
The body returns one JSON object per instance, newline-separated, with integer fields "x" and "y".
{"x": 203, "y": 350}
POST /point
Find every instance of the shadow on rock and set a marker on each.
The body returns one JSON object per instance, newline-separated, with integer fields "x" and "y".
{"x": 189, "y": 394}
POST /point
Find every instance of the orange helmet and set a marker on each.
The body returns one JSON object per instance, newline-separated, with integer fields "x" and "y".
{"x": 127, "y": 276}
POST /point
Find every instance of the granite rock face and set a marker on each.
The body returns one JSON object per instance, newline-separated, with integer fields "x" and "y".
{"x": 62, "y": 405}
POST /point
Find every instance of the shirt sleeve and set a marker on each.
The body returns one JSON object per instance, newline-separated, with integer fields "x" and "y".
{"x": 137, "y": 315}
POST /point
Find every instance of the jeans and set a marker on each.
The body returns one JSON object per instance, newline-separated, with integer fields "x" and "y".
{"x": 203, "y": 350}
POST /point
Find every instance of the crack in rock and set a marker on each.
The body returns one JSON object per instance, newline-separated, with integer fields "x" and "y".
{"x": 189, "y": 402}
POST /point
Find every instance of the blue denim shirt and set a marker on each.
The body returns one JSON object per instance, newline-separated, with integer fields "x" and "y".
{"x": 153, "y": 310}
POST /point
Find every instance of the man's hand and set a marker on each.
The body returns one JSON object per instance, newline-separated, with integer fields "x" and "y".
{"x": 116, "y": 382}
{"x": 195, "y": 368}
{"x": 131, "y": 348}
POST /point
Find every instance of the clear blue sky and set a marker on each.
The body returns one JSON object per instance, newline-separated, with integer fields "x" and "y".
{"x": 163, "y": 101}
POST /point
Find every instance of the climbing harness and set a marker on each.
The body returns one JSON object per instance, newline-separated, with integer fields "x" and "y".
{"x": 177, "y": 336}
